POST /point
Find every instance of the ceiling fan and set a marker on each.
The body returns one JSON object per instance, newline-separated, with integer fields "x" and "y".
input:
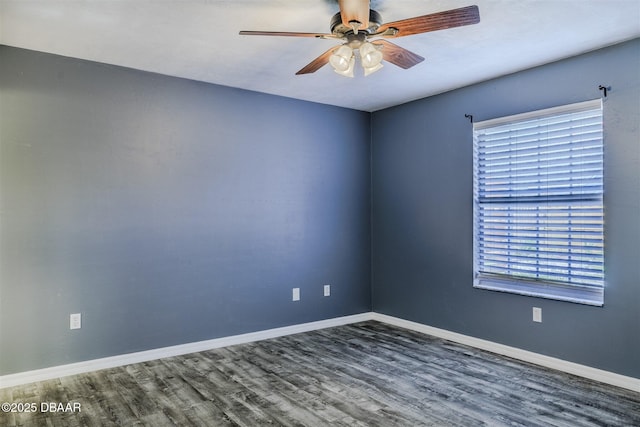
{"x": 362, "y": 29}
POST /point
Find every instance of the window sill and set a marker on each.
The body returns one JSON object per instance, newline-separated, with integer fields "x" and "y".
{"x": 575, "y": 294}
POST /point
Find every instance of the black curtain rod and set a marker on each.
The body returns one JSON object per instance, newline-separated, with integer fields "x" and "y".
{"x": 604, "y": 89}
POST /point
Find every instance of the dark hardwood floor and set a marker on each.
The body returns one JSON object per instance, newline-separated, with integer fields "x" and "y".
{"x": 366, "y": 374}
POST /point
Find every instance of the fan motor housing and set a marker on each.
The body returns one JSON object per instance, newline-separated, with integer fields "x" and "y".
{"x": 341, "y": 30}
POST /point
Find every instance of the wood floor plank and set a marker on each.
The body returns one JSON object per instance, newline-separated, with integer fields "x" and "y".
{"x": 379, "y": 383}
{"x": 366, "y": 374}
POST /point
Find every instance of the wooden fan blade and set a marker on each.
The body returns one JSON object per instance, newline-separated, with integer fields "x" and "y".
{"x": 286, "y": 34}
{"x": 317, "y": 63}
{"x": 432, "y": 22}
{"x": 397, "y": 55}
{"x": 355, "y": 10}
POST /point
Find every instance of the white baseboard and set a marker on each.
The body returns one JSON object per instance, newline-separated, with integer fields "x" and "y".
{"x": 145, "y": 356}
{"x": 177, "y": 350}
{"x": 607, "y": 377}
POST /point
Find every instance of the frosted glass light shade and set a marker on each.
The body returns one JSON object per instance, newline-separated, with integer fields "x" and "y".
{"x": 370, "y": 55}
{"x": 343, "y": 61}
{"x": 349, "y": 71}
{"x": 369, "y": 70}
{"x": 341, "y": 57}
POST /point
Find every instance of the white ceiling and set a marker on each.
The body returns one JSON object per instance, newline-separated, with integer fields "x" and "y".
{"x": 198, "y": 39}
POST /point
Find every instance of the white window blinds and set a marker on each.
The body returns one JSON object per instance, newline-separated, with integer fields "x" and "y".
{"x": 538, "y": 187}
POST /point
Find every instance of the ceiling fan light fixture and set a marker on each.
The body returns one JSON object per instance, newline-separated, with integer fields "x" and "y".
{"x": 371, "y": 58}
{"x": 341, "y": 57}
{"x": 349, "y": 71}
{"x": 370, "y": 70}
{"x": 370, "y": 55}
{"x": 351, "y": 24}
{"x": 343, "y": 61}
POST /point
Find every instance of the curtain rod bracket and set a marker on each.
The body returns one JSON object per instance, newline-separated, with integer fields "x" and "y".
{"x": 604, "y": 89}
{"x": 470, "y": 117}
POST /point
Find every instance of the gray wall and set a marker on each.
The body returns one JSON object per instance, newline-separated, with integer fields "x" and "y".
{"x": 168, "y": 211}
{"x": 422, "y": 254}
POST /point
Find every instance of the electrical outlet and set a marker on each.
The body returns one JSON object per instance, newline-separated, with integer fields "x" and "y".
{"x": 327, "y": 290}
{"x": 537, "y": 314}
{"x": 75, "y": 321}
{"x": 295, "y": 295}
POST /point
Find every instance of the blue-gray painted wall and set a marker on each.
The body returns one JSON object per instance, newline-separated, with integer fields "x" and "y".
{"x": 422, "y": 224}
{"x": 168, "y": 211}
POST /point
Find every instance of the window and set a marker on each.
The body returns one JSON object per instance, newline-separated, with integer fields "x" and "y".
{"x": 538, "y": 211}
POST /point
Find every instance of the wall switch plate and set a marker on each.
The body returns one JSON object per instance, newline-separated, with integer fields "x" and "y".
{"x": 75, "y": 321}
{"x": 537, "y": 314}
{"x": 295, "y": 295}
{"x": 327, "y": 290}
